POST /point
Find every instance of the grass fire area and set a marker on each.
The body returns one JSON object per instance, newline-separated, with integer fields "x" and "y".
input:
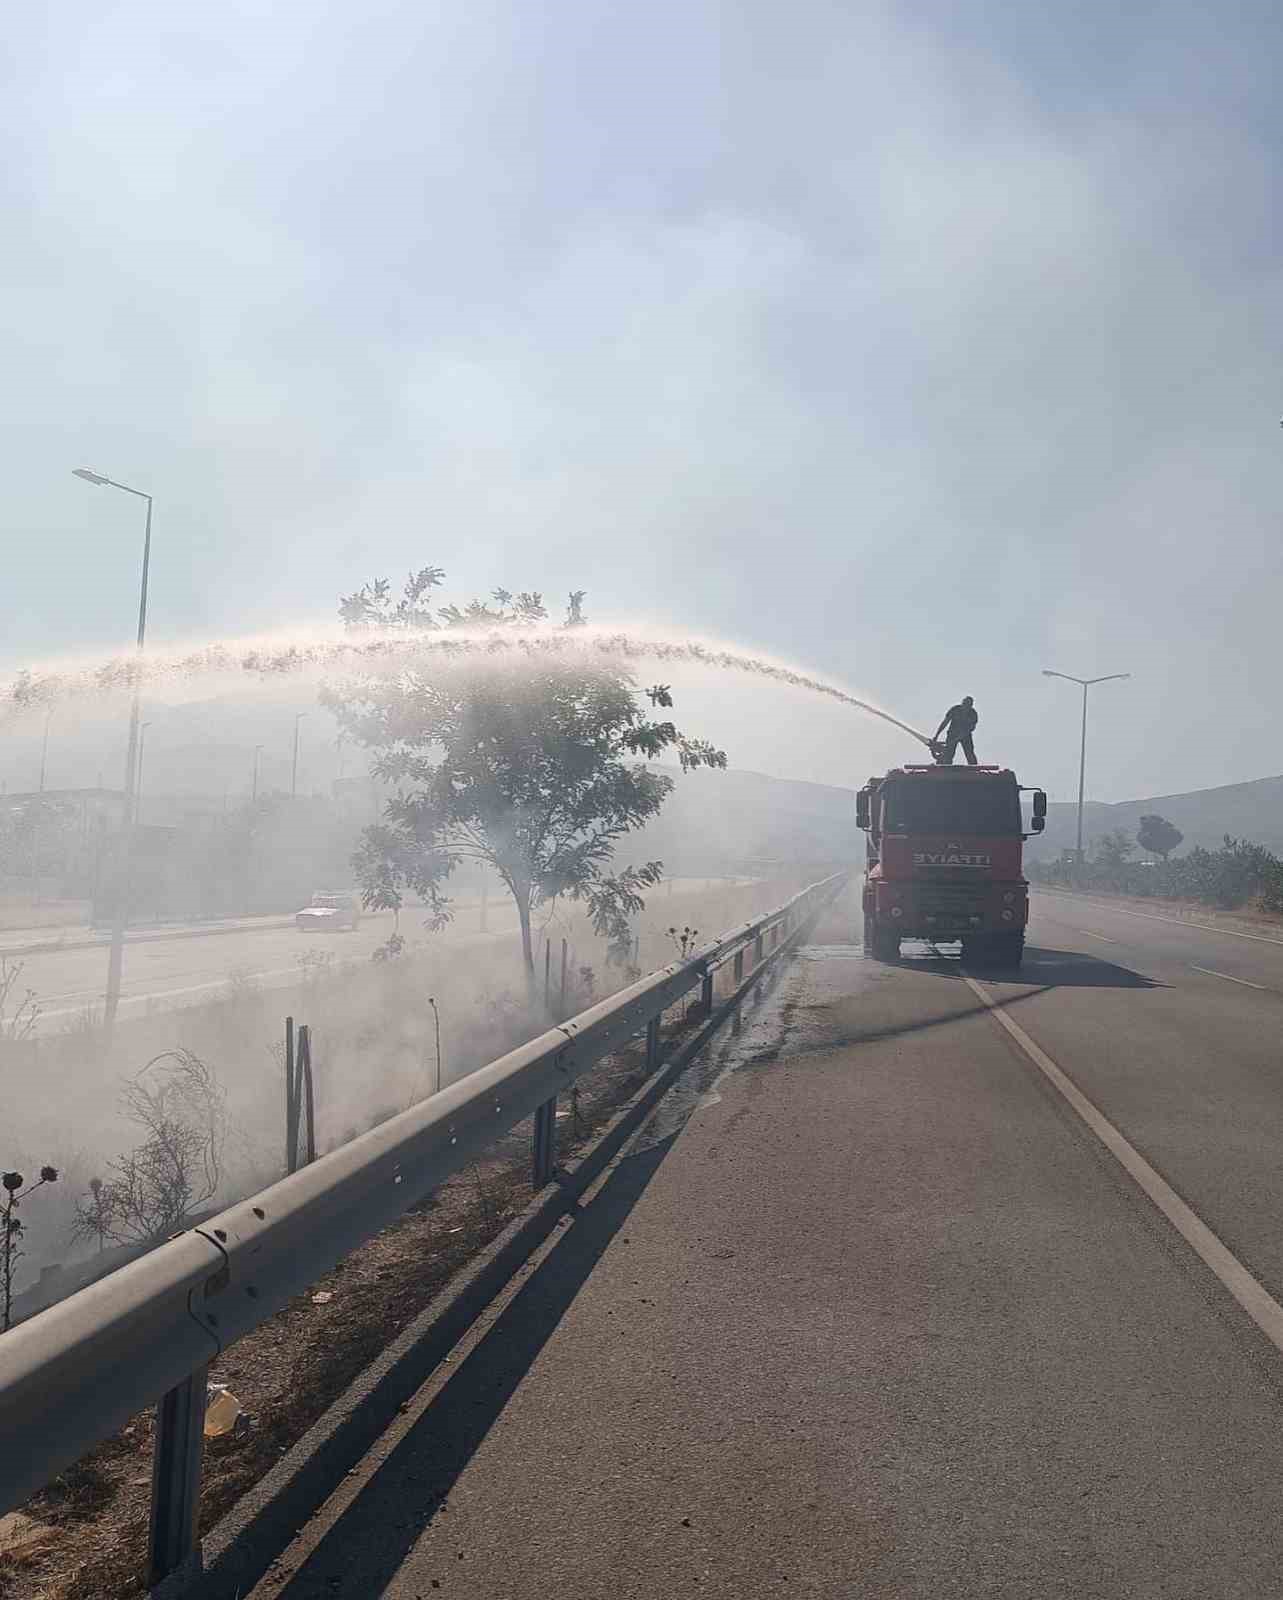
{"x": 83, "y": 1537}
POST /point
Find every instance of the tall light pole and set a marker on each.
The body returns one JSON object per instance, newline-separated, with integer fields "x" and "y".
{"x": 1086, "y": 684}
{"x": 258, "y": 749}
{"x": 44, "y": 749}
{"x": 298, "y": 717}
{"x": 138, "y": 786}
{"x": 35, "y": 826}
{"x": 115, "y": 960}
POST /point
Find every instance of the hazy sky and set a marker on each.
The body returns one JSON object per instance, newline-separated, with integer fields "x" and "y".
{"x": 928, "y": 344}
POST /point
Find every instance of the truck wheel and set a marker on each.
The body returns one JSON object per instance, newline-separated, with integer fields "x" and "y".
{"x": 881, "y": 943}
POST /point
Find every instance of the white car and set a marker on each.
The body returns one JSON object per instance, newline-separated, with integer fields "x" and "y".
{"x": 329, "y": 912}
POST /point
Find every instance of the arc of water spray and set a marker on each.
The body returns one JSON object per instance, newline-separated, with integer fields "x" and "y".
{"x": 371, "y": 650}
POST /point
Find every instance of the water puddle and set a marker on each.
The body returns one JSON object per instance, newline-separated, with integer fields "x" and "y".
{"x": 764, "y": 1037}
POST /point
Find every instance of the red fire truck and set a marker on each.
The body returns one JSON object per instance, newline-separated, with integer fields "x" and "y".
{"x": 944, "y": 860}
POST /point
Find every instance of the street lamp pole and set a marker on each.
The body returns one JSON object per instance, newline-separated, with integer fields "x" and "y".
{"x": 35, "y": 826}
{"x": 44, "y": 749}
{"x": 1086, "y": 684}
{"x": 254, "y": 792}
{"x": 120, "y": 916}
{"x": 298, "y": 717}
{"x": 138, "y": 786}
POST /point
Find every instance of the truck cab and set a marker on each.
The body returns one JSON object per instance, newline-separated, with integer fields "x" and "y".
{"x": 945, "y": 849}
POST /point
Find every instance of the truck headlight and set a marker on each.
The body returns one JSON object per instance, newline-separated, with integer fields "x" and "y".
{"x": 1008, "y": 898}
{"x": 896, "y": 911}
{"x": 1008, "y": 915}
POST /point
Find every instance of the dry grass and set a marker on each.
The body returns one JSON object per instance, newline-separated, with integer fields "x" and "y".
{"x": 289, "y": 1370}
{"x": 373, "y": 1045}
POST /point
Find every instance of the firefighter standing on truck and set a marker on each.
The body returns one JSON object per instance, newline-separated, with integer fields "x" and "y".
{"x": 961, "y": 721}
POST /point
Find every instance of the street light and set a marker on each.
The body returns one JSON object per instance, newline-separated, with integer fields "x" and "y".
{"x": 254, "y": 793}
{"x": 35, "y": 826}
{"x": 298, "y": 717}
{"x": 115, "y": 960}
{"x": 138, "y": 786}
{"x": 1086, "y": 683}
{"x": 44, "y": 749}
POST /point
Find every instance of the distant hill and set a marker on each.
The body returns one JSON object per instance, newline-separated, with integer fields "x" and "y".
{"x": 727, "y": 821}
{"x": 1244, "y": 810}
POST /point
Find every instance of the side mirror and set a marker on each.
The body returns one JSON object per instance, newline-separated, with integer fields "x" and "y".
{"x": 862, "y": 809}
{"x": 1037, "y": 823}
{"x": 1040, "y": 804}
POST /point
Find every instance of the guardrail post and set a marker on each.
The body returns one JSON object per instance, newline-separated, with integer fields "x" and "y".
{"x": 758, "y": 951}
{"x": 544, "y": 1144}
{"x": 652, "y": 1045}
{"x": 309, "y": 1096}
{"x": 291, "y": 1101}
{"x": 706, "y": 995}
{"x": 175, "y": 1478}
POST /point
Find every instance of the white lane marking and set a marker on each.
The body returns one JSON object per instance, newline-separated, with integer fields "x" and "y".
{"x": 167, "y": 994}
{"x": 1182, "y": 922}
{"x": 1104, "y": 938}
{"x": 1229, "y": 978}
{"x": 1261, "y": 1306}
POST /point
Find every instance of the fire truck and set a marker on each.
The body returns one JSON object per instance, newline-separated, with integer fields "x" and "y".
{"x": 944, "y": 860}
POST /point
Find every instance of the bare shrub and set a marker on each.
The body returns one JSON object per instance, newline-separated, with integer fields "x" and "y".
{"x": 314, "y": 966}
{"x": 11, "y": 1231}
{"x": 152, "y": 1192}
{"x": 19, "y": 1008}
{"x": 83, "y": 1023}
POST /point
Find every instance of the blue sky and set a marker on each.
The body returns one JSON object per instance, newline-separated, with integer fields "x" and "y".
{"x": 929, "y": 345}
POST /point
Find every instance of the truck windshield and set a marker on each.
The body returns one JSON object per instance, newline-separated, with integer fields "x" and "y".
{"x": 933, "y": 805}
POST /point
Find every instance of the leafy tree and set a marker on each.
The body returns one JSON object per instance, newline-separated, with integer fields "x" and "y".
{"x": 1113, "y": 848}
{"x": 1158, "y": 836}
{"x": 532, "y": 761}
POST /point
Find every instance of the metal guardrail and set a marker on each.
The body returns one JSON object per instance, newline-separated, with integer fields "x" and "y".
{"x": 74, "y": 1374}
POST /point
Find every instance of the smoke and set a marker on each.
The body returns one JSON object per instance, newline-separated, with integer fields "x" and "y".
{"x": 375, "y": 1045}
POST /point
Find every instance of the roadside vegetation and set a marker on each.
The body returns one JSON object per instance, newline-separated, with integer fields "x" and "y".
{"x": 83, "y": 1537}
{"x": 182, "y": 1112}
{"x": 1240, "y": 876}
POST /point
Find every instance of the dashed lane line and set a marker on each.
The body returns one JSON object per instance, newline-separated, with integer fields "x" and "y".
{"x": 1230, "y": 978}
{"x": 1259, "y": 1304}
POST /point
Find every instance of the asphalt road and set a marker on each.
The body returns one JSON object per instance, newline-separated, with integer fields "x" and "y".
{"x": 870, "y": 1311}
{"x": 184, "y": 967}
